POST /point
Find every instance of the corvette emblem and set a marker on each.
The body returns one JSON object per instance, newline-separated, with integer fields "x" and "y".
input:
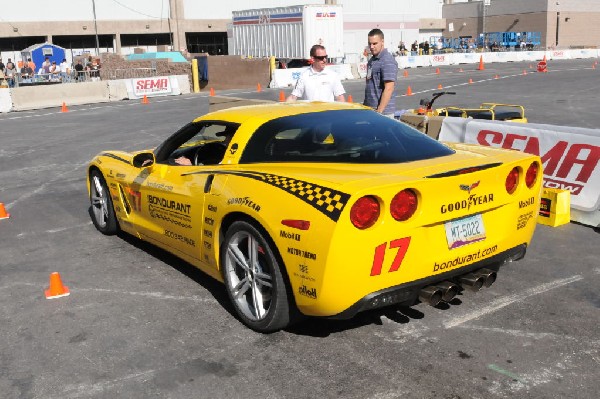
{"x": 468, "y": 188}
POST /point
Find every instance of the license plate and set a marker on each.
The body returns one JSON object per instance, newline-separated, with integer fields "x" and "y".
{"x": 464, "y": 231}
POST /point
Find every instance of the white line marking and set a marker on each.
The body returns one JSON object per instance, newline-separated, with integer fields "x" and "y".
{"x": 158, "y": 295}
{"x": 77, "y": 391}
{"x": 43, "y": 186}
{"x": 68, "y": 228}
{"x": 532, "y": 335}
{"x": 503, "y": 302}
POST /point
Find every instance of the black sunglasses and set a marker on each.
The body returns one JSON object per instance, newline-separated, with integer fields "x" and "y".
{"x": 319, "y": 57}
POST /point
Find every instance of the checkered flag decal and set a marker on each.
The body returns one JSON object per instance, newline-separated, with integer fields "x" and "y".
{"x": 326, "y": 200}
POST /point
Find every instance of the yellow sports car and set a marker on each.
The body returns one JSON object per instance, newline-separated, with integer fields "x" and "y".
{"x": 322, "y": 209}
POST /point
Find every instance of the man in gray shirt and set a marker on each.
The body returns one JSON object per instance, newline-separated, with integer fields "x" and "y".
{"x": 382, "y": 71}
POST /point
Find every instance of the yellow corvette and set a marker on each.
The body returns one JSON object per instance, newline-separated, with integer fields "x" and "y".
{"x": 322, "y": 209}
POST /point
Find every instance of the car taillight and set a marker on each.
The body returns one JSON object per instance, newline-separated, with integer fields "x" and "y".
{"x": 531, "y": 175}
{"x": 365, "y": 212}
{"x": 403, "y": 205}
{"x": 512, "y": 180}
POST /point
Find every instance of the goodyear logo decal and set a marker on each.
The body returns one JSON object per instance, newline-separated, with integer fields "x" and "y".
{"x": 328, "y": 201}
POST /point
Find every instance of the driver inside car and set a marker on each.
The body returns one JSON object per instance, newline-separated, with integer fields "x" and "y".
{"x": 210, "y": 153}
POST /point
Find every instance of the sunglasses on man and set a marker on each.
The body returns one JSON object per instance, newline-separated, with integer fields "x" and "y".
{"x": 319, "y": 57}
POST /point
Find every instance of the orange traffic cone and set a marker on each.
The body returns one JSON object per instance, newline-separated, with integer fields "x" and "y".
{"x": 64, "y": 107}
{"x": 593, "y": 66}
{"x": 350, "y": 98}
{"x": 481, "y": 67}
{"x": 437, "y": 71}
{"x": 212, "y": 92}
{"x": 470, "y": 81}
{"x": 496, "y": 77}
{"x": 440, "y": 87}
{"x": 405, "y": 74}
{"x": 281, "y": 96}
{"x": 544, "y": 58}
{"x": 409, "y": 91}
{"x": 56, "y": 289}
{"x": 460, "y": 70}
{"x": 3, "y": 213}
{"x": 145, "y": 100}
{"x": 258, "y": 88}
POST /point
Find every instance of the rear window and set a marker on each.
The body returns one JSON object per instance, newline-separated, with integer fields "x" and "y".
{"x": 341, "y": 136}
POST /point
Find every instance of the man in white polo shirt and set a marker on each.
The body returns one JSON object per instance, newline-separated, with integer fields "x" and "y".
{"x": 317, "y": 83}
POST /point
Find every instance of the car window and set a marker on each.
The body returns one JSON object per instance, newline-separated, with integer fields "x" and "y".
{"x": 340, "y": 136}
{"x": 207, "y": 133}
{"x": 191, "y": 137}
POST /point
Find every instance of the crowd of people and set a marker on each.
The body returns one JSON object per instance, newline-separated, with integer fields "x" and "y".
{"x": 12, "y": 75}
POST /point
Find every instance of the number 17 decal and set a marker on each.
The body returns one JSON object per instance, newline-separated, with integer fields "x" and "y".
{"x": 401, "y": 244}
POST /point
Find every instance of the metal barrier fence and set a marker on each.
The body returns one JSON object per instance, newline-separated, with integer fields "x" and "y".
{"x": 75, "y": 76}
{"x": 130, "y": 73}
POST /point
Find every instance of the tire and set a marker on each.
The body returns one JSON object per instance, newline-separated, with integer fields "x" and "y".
{"x": 258, "y": 292}
{"x": 101, "y": 209}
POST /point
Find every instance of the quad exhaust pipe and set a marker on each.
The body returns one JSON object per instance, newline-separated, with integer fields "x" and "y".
{"x": 480, "y": 278}
{"x": 446, "y": 290}
{"x": 489, "y": 276}
{"x": 442, "y": 292}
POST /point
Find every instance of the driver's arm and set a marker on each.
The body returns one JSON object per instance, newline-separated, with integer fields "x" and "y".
{"x": 183, "y": 161}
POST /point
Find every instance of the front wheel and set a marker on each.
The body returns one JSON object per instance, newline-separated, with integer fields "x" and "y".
{"x": 101, "y": 210}
{"x": 253, "y": 279}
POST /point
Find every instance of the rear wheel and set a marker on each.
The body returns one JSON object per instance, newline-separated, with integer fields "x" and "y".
{"x": 253, "y": 279}
{"x": 101, "y": 210}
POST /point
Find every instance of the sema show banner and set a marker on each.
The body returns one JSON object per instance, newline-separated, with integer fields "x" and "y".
{"x": 152, "y": 87}
{"x": 570, "y": 155}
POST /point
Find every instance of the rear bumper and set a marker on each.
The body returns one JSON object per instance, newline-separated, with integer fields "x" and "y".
{"x": 407, "y": 294}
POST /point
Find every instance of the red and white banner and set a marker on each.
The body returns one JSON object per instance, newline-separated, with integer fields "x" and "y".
{"x": 571, "y": 156}
{"x": 152, "y": 87}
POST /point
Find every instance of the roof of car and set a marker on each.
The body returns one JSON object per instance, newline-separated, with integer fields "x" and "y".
{"x": 276, "y": 110}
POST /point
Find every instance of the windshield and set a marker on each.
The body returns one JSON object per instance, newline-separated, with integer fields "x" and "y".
{"x": 340, "y": 136}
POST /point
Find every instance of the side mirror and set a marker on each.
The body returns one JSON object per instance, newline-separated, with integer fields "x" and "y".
{"x": 143, "y": 159}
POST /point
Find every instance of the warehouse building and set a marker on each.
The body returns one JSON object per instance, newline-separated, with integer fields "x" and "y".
{"x": 128, "y": 26}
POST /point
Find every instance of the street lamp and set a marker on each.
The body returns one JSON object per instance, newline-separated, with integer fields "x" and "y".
{"x": 96, "y": 29}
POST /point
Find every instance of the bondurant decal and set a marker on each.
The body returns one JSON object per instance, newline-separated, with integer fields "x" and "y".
{"x": 169, "y": 204}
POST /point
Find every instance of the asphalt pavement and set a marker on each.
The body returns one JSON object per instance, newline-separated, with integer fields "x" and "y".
{"x": 140, "y": 323}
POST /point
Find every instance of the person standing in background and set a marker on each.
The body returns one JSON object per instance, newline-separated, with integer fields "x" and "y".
{"x": 317, "y": 83}
{"x": 382, "y": 72}
{"x": 31, "y": 64}
{"x": 65, "y": 71}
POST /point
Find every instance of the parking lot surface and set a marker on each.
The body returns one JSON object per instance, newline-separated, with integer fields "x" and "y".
{"x": 140, "y": 323}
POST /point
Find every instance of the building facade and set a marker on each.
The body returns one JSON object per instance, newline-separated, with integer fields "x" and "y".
{"x": 127, "y": 26}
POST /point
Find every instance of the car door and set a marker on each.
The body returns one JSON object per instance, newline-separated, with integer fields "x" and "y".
{"x": 172, "y": 195}
{"x": 172, "y": 204}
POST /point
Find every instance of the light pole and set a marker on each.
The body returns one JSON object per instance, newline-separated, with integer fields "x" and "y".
{"x": 96, "y": 29}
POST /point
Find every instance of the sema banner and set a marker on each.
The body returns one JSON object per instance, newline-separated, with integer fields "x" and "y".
{"x": 570, "y": 155}
{"x": 153, "y": 86}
